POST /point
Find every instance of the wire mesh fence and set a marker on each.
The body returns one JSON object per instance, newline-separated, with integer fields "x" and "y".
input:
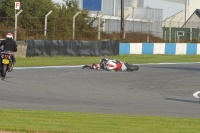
{"x": 62, "y": 28}
{"x": 181, "y": 24}
{"x": 176, "y": 31}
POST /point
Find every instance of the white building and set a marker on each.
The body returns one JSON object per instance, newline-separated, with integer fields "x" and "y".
{"x": 136, "y": 15}
{"x": 179, "y": 19}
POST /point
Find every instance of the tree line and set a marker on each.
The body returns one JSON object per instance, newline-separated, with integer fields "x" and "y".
{"x": 32, "y": 19}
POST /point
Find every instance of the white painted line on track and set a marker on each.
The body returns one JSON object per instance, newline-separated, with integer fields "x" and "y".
{"x": 196, "y": 95}
{"x": 47, "y": 67}
{"x": 181, "y": 63}
{"x": 39, "y": 67}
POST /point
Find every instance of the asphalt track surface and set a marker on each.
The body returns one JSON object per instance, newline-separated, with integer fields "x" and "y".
{"x": 154, "y": 90}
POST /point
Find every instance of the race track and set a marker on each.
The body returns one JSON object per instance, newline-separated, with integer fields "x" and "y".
{"x": 154, "y": 90}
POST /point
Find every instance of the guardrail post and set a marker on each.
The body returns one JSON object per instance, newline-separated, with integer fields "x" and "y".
{"x": 148, "y": 30}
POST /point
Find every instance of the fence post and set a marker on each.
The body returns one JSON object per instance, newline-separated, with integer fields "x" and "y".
{"x": 117, "y": 23}
{"x": 157, "y": 25}
{"x": 170, "y": 30}
{"x": 114, "y": 9}
{"x": 74, "y": 24}
{"x": 191, "y": 31}
{"x": 179, "y": 22}
{"x": 45, "y": 25}
{"x": 134, "y": 21}
{"x": 99, "y": 27}
{"x": 125, "y": 28}
{"x": 141, "y": 22}
{"x": 165, "y": 21}
{"x": 148, "y": 28}
{"x": 198, "y": 34}
{"x": 109, "y": 24}
{"x": 16, "y": 16}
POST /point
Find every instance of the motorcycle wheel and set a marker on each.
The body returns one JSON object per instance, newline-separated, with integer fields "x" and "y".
{"x": 132, "y": 68}
{"x": 3, "y": 71}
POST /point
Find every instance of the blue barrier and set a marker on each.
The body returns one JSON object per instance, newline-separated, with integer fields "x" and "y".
{"x": 191, "y": 49}
{"x": 170, "y": 48}
{"x": 124, "y": 48}
{"x": 147, "y": 48}
{"x": 160, "y": 48}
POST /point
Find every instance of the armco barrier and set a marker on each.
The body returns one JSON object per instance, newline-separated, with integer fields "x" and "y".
{"x": 159, "y": 48}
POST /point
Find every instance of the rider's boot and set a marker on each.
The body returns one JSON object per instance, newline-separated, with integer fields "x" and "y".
{"x": 84, "y": 66}
{"x": 11, "y": 68}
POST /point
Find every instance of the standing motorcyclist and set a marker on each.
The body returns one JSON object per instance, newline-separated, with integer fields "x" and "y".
{"x": 10, "y": 45}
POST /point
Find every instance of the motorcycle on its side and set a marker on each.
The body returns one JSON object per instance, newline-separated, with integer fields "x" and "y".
{"x": 120, "y": 66}
{"x": 110, "y": 64}
{"x": 5, "y": 63}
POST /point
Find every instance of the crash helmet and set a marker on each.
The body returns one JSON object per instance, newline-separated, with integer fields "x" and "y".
{"x": 9, "y": 35}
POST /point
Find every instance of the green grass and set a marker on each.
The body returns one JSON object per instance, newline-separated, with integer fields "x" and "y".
{"x": 133, "y": 59}
{"x": 65, "y": 122}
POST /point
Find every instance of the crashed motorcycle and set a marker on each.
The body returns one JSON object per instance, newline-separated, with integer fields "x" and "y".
{"x": 107, "y": 64}
{"x": 120, "y": 66}
{"x": 5, "y": 63}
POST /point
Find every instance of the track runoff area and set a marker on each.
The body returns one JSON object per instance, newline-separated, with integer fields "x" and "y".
{"x": 154, "y": 90}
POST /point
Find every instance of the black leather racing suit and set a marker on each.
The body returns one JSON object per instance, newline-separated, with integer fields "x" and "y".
{"x": 9, "y": 45}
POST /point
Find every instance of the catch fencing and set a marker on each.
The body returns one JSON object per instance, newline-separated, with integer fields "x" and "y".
{"x": 62, "y": 28}
{"x": 176, "y": 31}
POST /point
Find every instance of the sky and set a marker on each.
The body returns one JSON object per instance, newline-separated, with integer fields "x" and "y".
{"x": 169, "y": 8}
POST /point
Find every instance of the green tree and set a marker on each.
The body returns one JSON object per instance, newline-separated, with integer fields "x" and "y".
{"x": 31, "y": 20}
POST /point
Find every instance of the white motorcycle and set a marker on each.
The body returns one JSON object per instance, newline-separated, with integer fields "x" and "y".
{"x": 108, "y": 64}
{"x": 120, "y": 66}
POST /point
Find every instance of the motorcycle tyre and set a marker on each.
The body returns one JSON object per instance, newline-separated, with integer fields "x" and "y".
{"x": 133, "y": 68}
{"x": 3, "y": 71}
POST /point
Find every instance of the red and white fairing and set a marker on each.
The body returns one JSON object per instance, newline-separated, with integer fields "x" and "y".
{"x": 114, "y": 65}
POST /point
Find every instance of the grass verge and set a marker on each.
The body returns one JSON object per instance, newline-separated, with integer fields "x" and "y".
{"x": 132, "y": 59}
{"x": 66, "y": 122}
{"x": 62, "y": 122}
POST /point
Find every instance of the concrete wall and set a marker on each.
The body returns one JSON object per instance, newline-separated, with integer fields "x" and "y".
{"x": 160, "y": 48}
{"x": 21, "y": 49}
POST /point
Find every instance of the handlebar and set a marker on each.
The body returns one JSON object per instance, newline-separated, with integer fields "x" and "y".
{"x": 6, "y": 52}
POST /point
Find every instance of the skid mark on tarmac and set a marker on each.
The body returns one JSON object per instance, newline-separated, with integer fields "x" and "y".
{"x": 183, "y": 100}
